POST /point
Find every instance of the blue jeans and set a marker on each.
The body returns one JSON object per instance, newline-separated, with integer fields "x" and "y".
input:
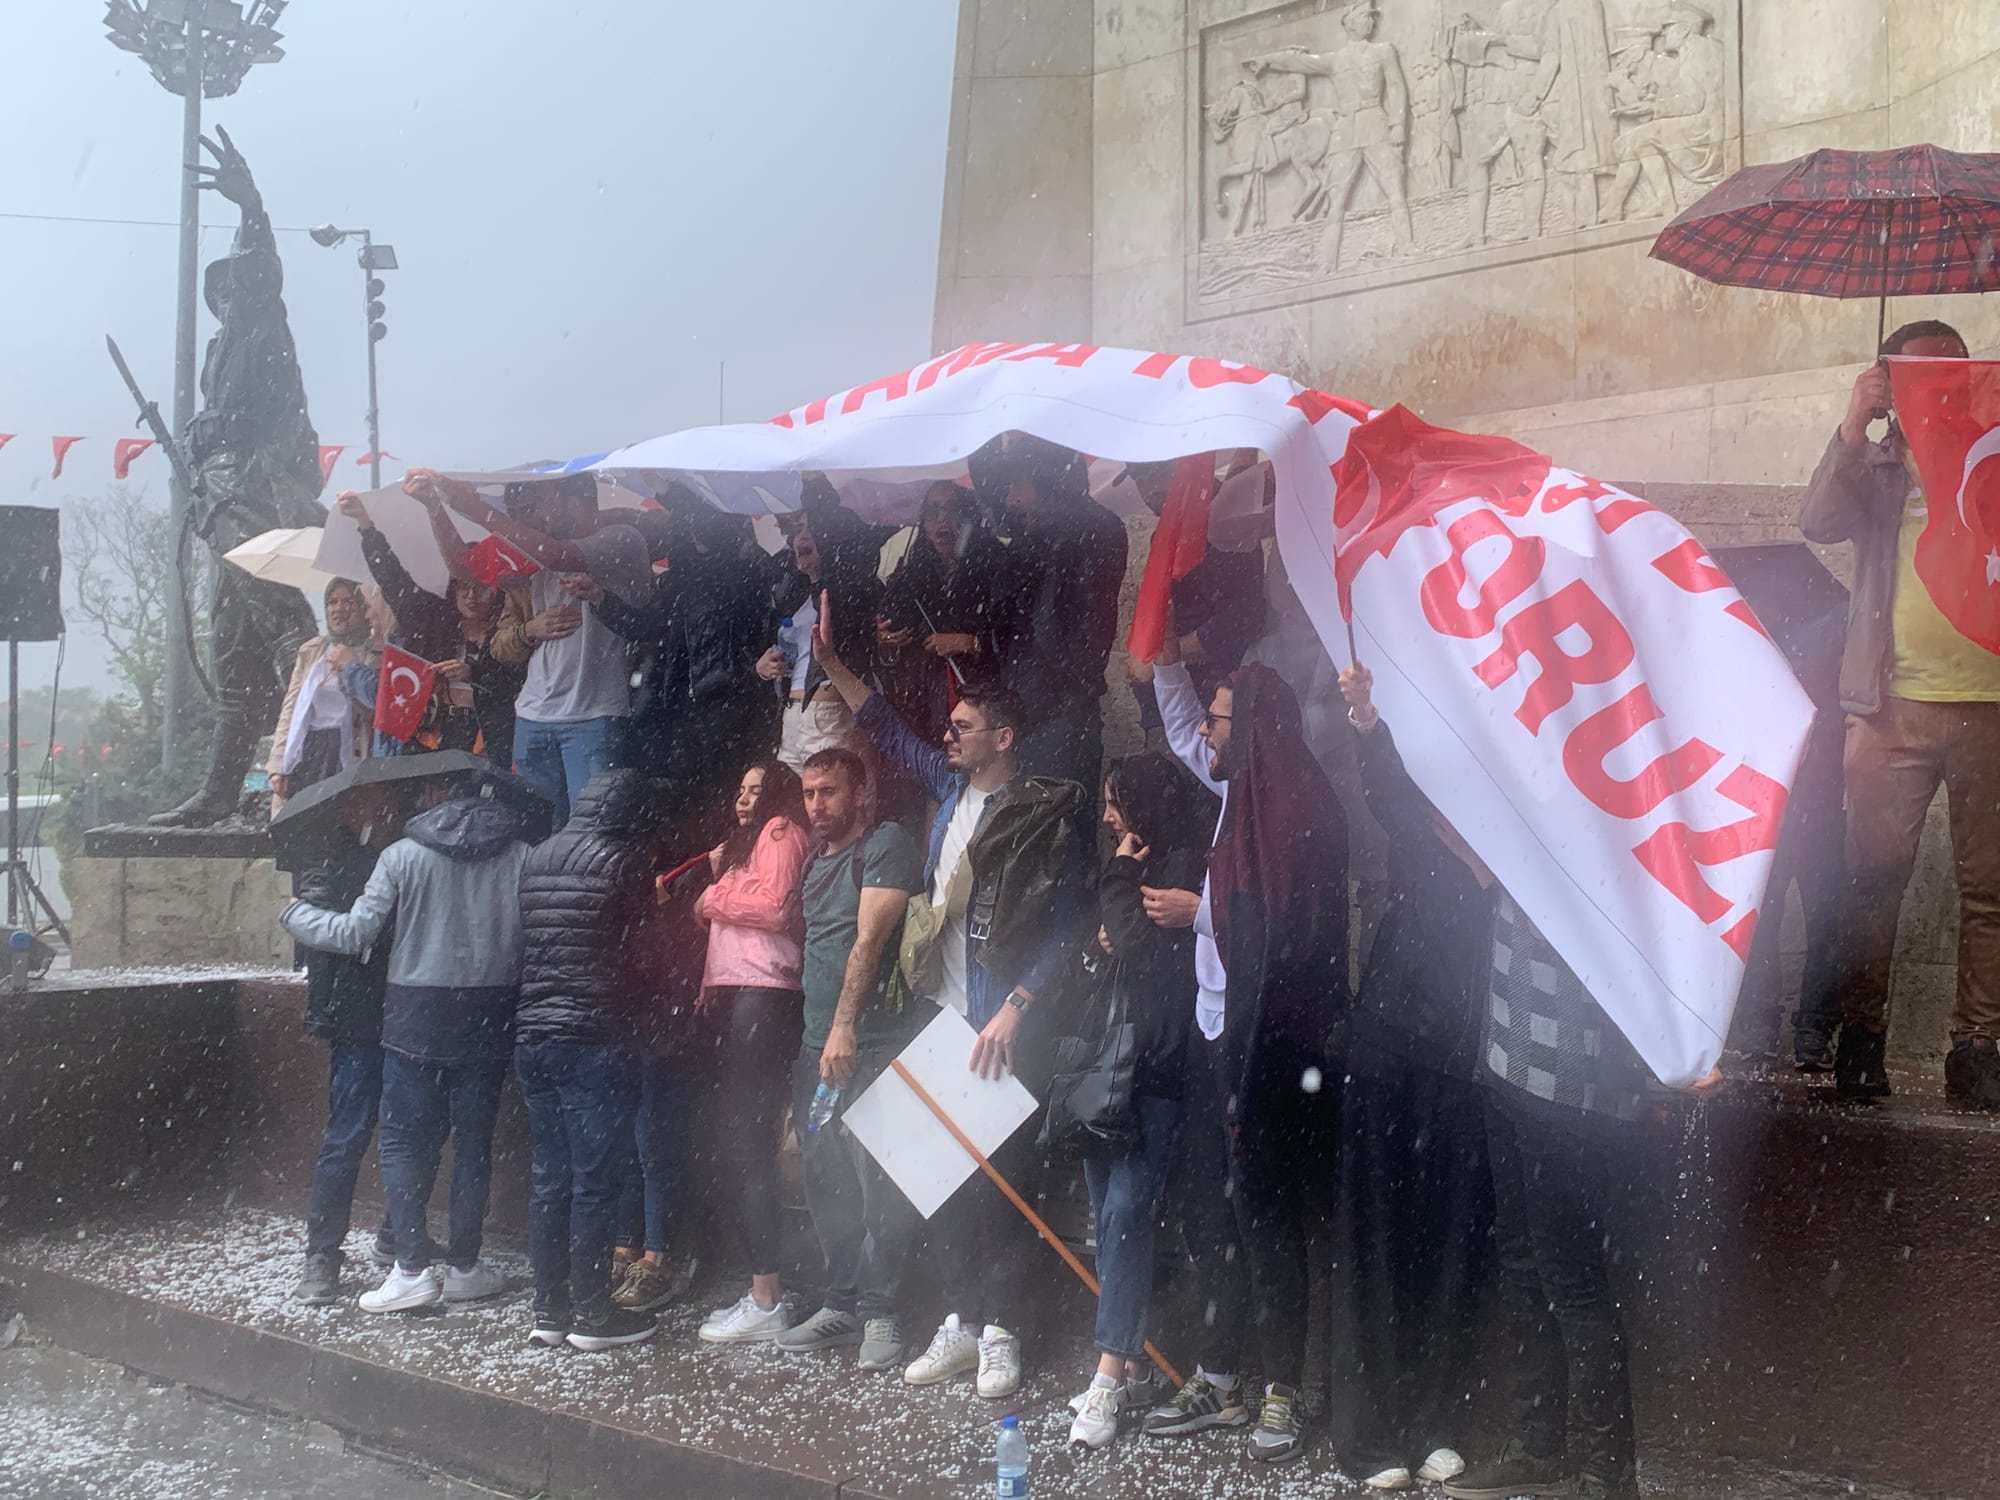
{"x": 1127, "y": 1185}
{"x": 558, "y": 759}
{"x": 422, "y": 1104}
{"x": 653, "y": 1160}
{"x": 353, "y": 1097}
{"x": 580, "y": 1098}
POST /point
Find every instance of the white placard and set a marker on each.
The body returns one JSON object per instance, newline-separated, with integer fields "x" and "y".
{"x": 909, "y": 1142}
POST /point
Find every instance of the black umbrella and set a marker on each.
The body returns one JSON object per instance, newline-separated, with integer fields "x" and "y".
{"x": 305, "y": 831}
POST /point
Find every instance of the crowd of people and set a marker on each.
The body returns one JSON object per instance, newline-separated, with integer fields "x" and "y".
{"x": 803, "y": 804}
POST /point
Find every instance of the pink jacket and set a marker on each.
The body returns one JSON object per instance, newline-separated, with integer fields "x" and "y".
{"x": 756, "y": 928}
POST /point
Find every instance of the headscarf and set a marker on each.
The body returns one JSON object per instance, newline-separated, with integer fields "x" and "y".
{"x": 359, "y": 635}
{"x": 1280, "y": 861}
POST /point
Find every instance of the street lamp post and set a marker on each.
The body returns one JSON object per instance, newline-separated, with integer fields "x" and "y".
{"x": 373, "y": 258}
{"x": 196, "y": 49}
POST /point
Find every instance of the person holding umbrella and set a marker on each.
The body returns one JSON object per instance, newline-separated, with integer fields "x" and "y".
{"x": 1923, "y": 706}
{"x": 452, "y": 886}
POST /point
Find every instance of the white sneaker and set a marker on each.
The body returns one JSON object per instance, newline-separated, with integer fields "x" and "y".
{"x": 1443, "y": 1466}
{"x": 953, "y": 1351}
{"x": 745, "y": 1322}
{"x": 1397, "y": 1478}
{"x": 1096, "y": 1421}
{"x": 476, "y": 1281}
{"x": 402, "y": 1290}
{"x": 999, "y": 1363}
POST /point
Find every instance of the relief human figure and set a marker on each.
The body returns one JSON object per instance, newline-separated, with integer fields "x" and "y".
{"x": 1535, "y": 85}
{"x": 1675, "y": 94}
{"x": 1368, "y": 125}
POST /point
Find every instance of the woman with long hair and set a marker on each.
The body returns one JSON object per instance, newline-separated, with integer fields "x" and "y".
{"x": 1163, "y": 820}
{"x": 472, "y": 707}
{"x": 751, "y": 985}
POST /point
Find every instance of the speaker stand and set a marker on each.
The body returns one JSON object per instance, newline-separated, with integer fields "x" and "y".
{"x": 23, "y": 894}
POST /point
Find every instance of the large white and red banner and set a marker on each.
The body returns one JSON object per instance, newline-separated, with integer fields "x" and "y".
{"x": 1571, "y": 680}
{"x": 1949, "y": 410}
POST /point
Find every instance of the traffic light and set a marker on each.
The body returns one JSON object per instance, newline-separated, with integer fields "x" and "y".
{"x": 377, "y": 329}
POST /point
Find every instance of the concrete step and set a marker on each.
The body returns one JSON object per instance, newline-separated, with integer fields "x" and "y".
{"x": 202, "y": 1300}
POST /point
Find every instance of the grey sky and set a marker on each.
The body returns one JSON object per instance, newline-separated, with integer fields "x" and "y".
{"x": 593, "y": 203}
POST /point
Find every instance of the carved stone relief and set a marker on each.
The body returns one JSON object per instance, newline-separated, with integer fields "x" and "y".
{"x": 1361, "y": 140}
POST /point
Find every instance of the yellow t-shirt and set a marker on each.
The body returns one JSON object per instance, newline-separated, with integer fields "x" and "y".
{"x": 1930, "y": 661}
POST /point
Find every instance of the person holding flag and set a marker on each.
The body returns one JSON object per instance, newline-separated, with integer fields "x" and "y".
{"x": 571, "y": 711}
{"x": 1920, "y": 682}
{"x": 474, "y": 709}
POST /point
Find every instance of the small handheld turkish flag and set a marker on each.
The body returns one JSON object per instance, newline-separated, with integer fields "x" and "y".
{"x": 493, "y": 560}
{"x": 1949, "y": 410}
{"x": 403, "y": 693}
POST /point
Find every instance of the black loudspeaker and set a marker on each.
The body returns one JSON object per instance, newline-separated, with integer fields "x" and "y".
{"x": 30, "y": 573}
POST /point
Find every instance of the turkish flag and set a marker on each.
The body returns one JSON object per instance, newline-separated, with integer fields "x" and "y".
{"x": 1179, "y": 543}
{"x": 123, "y": 452}
{"x": 403, "y": 693}
{"x": 1949, "y": 410}
{"x": 493, "y": 560}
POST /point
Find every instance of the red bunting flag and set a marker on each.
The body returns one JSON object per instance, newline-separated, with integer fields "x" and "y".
{"x": 123, "y": 452}
{"x": 6, "y": 438}
{"x": 329, "y": 455}
{"x": 1179, "y": 543}
{"x": 363, "y": 461}
{"x": 62, "y": 445}
{"x": 403, "y": 693}
{"x": 1949, "y": 410}
{"x": 493, "y": 560}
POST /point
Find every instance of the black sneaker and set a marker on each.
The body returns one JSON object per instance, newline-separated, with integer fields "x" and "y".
{"x": 1858, "y": 1074}
{"x": 1196, "y": 1406}
{"x": 1279, "y": 1436}
{"x": 1812, "y": 1051}
{"x": 619, "y": 1327}
{"x": 319, "y": 1282}
{"x": 551, "y": 1329}
{"x": 1515, "y": 1472}
{"x": 1972, "y": 1074}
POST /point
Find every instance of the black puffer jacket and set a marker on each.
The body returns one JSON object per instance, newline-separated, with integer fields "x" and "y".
{"x": 585, "y": 892}
{"x": 344, "y": 994}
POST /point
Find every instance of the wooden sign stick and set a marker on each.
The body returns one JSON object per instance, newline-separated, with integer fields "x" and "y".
{"x": 1055, "y": 1240}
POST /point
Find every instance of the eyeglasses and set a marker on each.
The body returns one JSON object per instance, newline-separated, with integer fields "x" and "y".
{"x": 960, "y": 731}
{"x": 1209, "y": 721}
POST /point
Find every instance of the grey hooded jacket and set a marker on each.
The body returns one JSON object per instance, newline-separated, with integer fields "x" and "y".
{"x": 452, "y": 883}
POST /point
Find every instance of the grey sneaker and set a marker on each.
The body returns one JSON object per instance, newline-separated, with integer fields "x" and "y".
{"x": 882, "y": 1344}
{"x": 1277, "y": 1438}
{"x": 319, "y": 1282}
{"x": 829, "y": 1328}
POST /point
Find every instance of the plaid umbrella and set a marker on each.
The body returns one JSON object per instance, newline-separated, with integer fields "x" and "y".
{"x": 1913, "y": 222}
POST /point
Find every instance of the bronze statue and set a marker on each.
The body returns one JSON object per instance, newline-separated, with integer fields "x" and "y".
{"x": 255, "y": 459}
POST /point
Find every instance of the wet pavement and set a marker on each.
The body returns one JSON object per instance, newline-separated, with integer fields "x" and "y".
{"x": 811, "y": 1420}
{"x": 85, "y": 1429}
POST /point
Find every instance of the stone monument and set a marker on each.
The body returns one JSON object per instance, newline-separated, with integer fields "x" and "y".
{"x": 1449, "y": 203}
{"x": 254, "y": 452}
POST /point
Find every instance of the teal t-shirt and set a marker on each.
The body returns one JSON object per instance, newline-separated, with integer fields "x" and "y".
{"x": 886, "y": 857}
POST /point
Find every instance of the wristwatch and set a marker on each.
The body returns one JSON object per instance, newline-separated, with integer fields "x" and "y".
{"x": 1019, "y": 1001}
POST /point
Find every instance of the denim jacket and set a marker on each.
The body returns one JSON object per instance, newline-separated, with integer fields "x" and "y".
{"x": 1005, "y": 949}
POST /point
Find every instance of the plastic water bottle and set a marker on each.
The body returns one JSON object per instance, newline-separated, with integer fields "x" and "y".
{"x": 826, "y": 1099}
{"x": 1011, "y": 1460}
{"x": 786, "y": 631}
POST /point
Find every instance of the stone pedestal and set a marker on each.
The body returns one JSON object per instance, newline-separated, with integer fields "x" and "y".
{"x": 146, "y": 897}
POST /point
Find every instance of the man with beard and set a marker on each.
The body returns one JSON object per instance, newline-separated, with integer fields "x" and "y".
{"x": 1271, "y": 971}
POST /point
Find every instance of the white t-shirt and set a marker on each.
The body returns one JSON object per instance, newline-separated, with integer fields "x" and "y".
{"x": 957, "y": 838}
{"x": 330, "y": 707}
{"x": 586, "y": 675}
